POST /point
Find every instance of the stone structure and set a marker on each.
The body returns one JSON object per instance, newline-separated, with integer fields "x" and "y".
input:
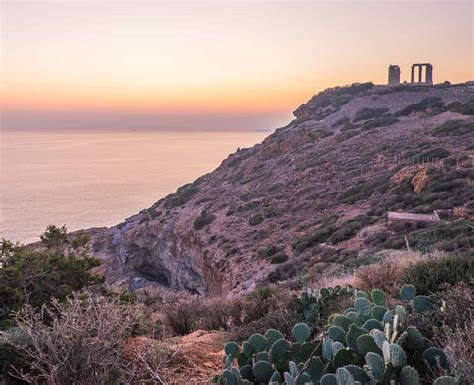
{"x": 393, "y": 74}
{"x": 428, "y": 73}
{"x": 409, "y": 217}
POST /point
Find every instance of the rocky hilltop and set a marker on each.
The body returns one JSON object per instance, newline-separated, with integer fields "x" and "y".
{"x": 312, "y": 196}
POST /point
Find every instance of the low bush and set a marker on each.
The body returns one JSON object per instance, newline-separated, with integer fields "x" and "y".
{"x": 433, "y": 102}
{"x": 456, "y": 322}
{"x": 350, "y": 228}
{"x": 340, "y": 121}
{"x": 349, "y": 126}
{"x": 35, "y": 277}
{"x": 181, "y": 196}
{"x": 318, "y": 236}
{"x": 268, "y": 251}
{"x": 384, "y": 275}
{"x": 429, "y": 276}
{"x": 379, "y": 122}
{"x": 79, "y": 341}
{"x": 435, "y": 153}
{"x": 369, "y": 113}
{"x": 203, "y": 220}
{"x": 256, "y": 219}
{"x": 462, "y": 108}
{"x": 279, "y": 258}
{"x": 183, "y": 314}
{"x": 364, "y": 189}
{"x": 455, "y": 127}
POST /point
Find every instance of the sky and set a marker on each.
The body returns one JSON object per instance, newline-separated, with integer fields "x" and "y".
{"x": 215, "y": 65}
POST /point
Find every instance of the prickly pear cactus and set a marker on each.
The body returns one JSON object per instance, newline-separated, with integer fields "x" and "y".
{"x": 368, "y": 343}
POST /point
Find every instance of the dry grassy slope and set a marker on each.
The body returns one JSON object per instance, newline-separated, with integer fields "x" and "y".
{"x": 306, "y": 177}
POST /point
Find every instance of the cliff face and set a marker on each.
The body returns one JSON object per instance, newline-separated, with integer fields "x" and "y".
{"x": 313, "y": 194}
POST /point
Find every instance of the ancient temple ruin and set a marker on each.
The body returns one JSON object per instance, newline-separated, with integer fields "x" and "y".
{"x": 394, "y": 74}
{"x": 428, "y": 73}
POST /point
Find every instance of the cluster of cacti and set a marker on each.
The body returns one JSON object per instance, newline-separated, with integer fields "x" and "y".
{"x": 367, "y": 344}
{"x": 312, "y": 304}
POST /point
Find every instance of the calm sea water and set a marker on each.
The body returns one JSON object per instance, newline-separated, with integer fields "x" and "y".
{"x": 90, "y": 179}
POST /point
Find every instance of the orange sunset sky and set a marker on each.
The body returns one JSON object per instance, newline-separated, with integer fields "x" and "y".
{"x": 229, "y": 65}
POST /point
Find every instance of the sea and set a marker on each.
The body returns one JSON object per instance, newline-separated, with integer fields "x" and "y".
{"x": 85, "y": 179}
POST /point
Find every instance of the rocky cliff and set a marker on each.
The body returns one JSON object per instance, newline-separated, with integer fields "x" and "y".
{"x": 313, "y": 195}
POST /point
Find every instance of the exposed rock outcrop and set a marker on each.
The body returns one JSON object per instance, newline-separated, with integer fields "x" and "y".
{"x": 420, "y": 181}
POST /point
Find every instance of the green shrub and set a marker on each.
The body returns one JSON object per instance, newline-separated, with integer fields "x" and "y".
{"x": 181, "y": 196}
{"x": 349, "y": 126}
{"x": 455, "y": 127}
{"x": 462, "y": 108}
{"x": 449, "y": 162}
{"x": 35, "y": 277}
{"x": 256, "y": 219}
{"x": 340, "y": 121}
{"x": 364, "y": 189}
{"x": 379, "y": 122}
{"x": 269, "y": 251}
{"x": 279, "y": 258}
{"x": 429, "y": 276}
{"x": 433, "y": 102}
{"x": 318, "y": 236}
{"x": 369, "y": 112}
{"x": 435, "y": 153}
{"x": 350, "y": 228}
{"x": 203, "y": 219}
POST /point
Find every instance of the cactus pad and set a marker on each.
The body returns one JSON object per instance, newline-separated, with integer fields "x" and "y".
{"x": 361, "y": 294}
{"x": 358, "y": 373}
{"x": 408, "y": 292}
{"x": 372, "y": 324}
{"x": 343, "y": 322}
{"x": 436, "y": 360}
{"x": 301, "y": 332}
{"x": 258, "y": 342}
{"x": 276, "y": 377}
{"x": 246, "y": 372}
{"x": 327, "y": 349}
{"x": 232, "y": 348}
{"x": 354, "y": 333}
{"x": 315, "y": 369}
{"x": 262, "y": 356}
{"x": 363, "y": 306}
{"x": 423, "y": 304}
{"x": 378, "y": 312}
{"x": 280, "y": 352}
{"x": 379, "y": 337}
{"x": 342, "y": 358}
{"x": 398, "y": 357}
{"x": 263, "y": 371}
{"x": 344, "y": 377}
{"x": 366, "y": 343}
{"x": 248, "y": 349}
{"x": 376, "y": 364}
{"x": 409, "y": 376}
{"x": 378, "y": 297}
{"x": 445, "y": 380}
{"x": 337, "y": 333}
{"x": 272, "y": 336}
{"x": 329, "y": 379}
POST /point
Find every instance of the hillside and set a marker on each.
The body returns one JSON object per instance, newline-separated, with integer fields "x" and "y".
{"x": 312, "y": 197}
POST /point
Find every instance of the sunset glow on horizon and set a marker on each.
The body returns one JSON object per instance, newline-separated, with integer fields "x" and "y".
{"x": 197, "y": 59}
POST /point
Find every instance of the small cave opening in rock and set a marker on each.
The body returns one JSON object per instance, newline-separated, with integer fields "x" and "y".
{"x": 154, "y": 274}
